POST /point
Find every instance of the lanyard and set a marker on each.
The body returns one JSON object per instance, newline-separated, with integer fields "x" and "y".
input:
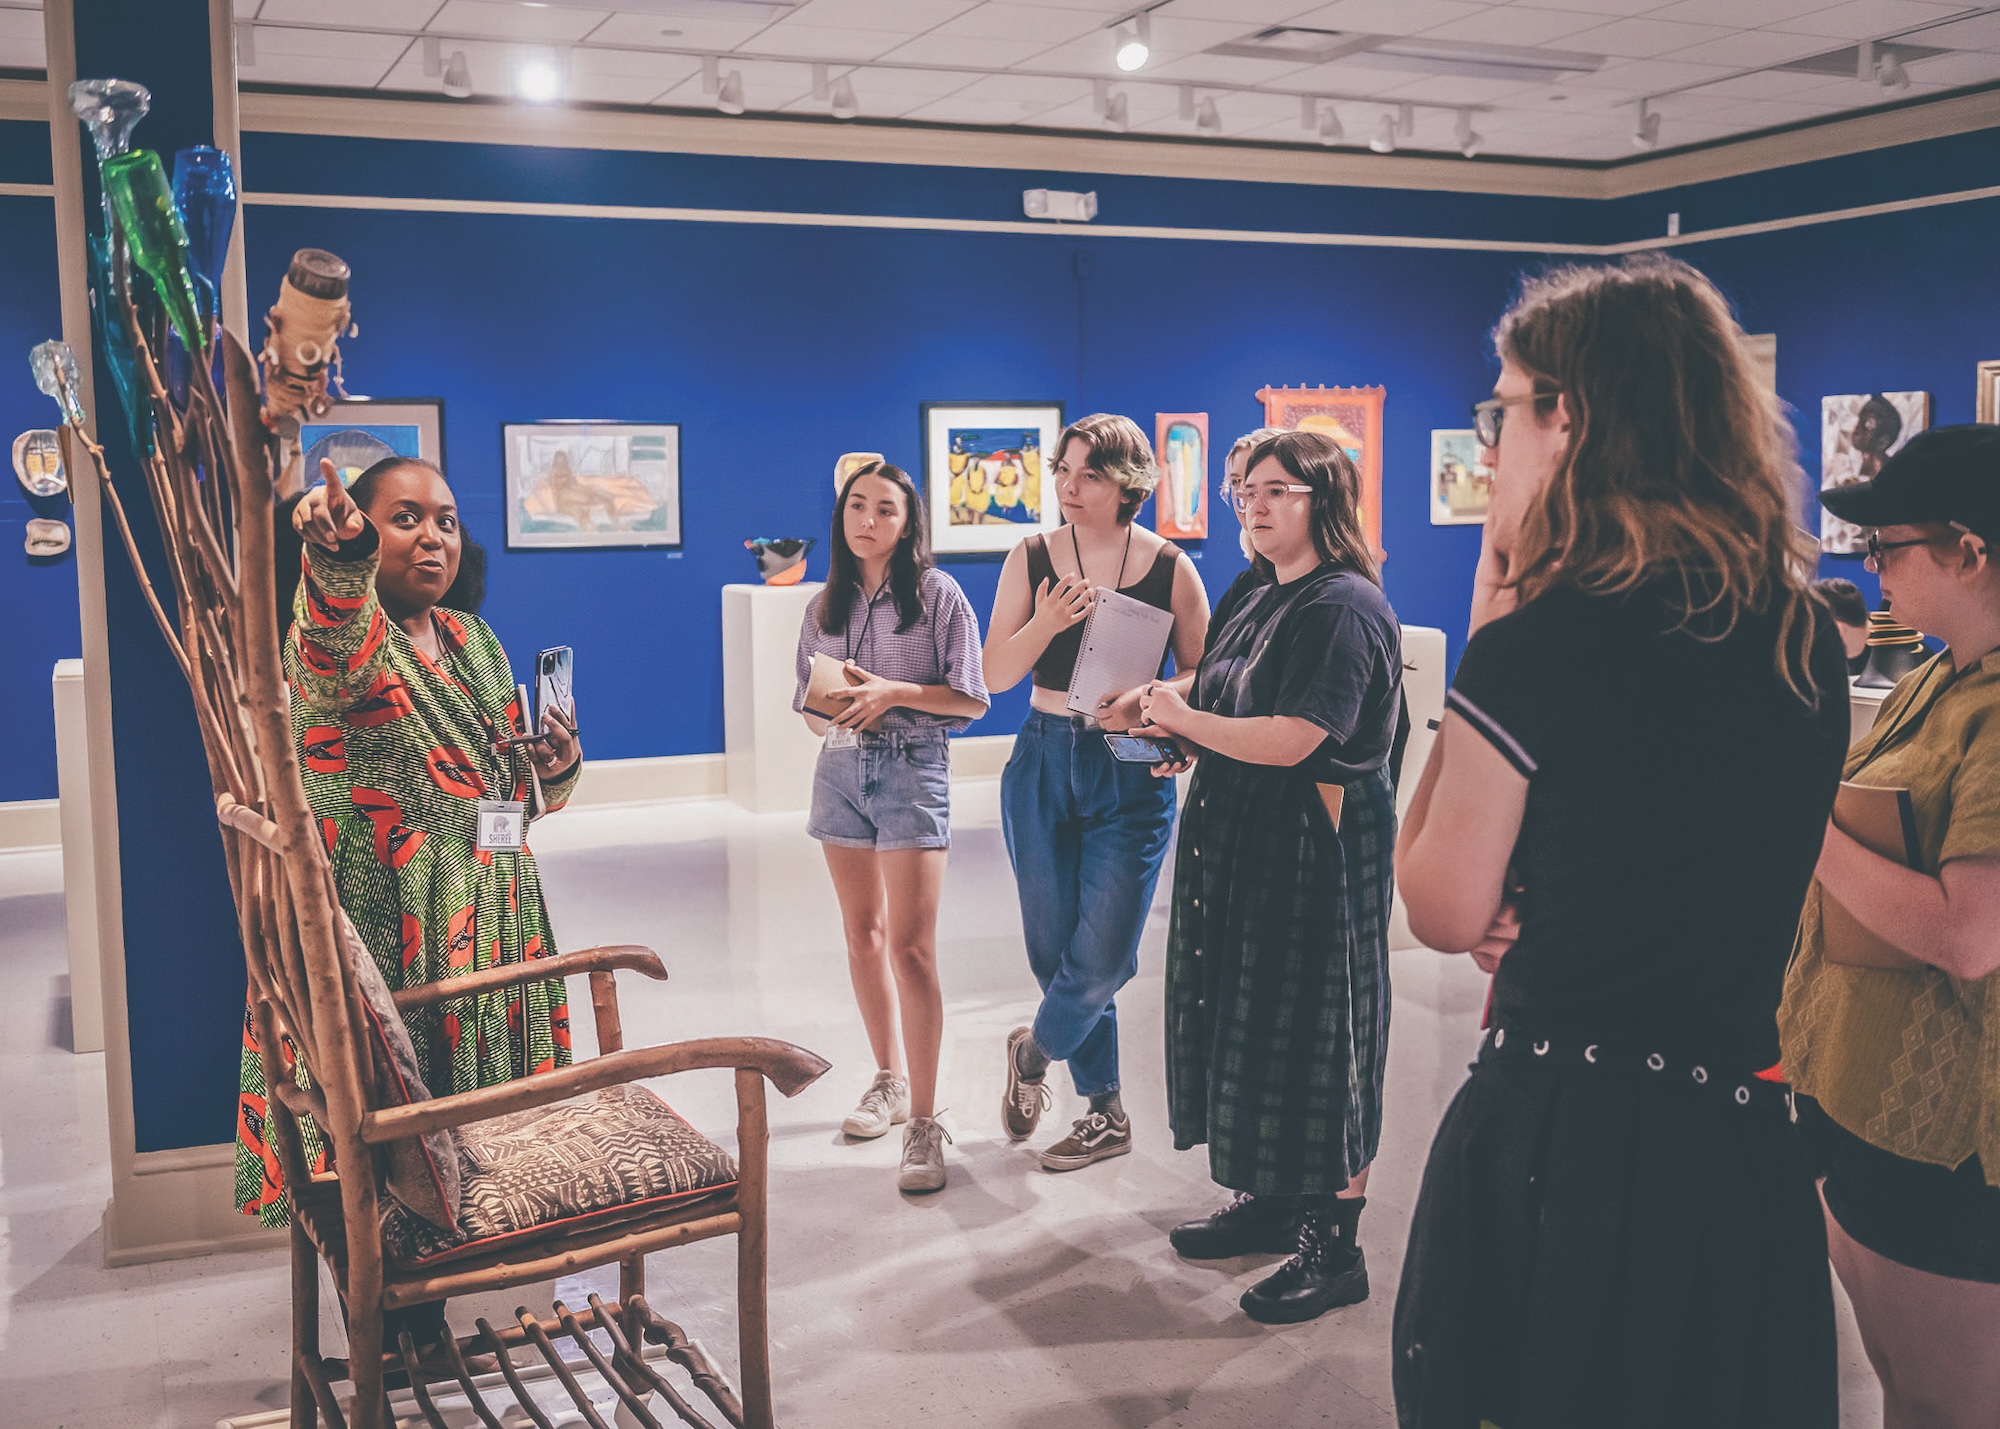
{"x": 1910, "y": 715}
{"x": 858, "y": 645}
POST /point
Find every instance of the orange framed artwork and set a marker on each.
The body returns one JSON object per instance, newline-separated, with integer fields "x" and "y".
{"x": 1352, "y": 416}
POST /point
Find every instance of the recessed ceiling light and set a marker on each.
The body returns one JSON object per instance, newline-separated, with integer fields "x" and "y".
{"x": 537, "y": 81}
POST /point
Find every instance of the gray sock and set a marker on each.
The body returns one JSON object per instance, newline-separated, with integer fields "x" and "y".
{"x": 1030, "y": 1060}
{"x": 1109, "y": 1104}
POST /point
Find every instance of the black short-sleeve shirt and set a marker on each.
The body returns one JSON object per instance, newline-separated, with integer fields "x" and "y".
{"x": 1324, "y": 648}
{"x": 1678, "y": 792}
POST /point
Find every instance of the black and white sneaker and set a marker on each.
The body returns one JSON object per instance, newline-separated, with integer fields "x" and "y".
{"x": 1096, "y": 1137}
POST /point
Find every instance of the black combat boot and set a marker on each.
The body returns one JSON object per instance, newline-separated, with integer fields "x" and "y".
{"x": 1248, "y": 1225}
{"x": 1327, "y": 1271}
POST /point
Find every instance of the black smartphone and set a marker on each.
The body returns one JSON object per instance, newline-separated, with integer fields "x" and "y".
{"x": 1141, "y": 749}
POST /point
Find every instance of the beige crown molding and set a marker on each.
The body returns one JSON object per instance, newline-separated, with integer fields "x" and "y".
{"x": 476, "y": 122}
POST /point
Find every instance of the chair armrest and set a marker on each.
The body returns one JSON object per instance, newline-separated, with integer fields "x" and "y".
{"x": 790, "y": 1069}
{"x": 588, "y": 960}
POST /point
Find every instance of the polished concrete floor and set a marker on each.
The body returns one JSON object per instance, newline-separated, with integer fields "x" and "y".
{"x": 1014, "y": 1298}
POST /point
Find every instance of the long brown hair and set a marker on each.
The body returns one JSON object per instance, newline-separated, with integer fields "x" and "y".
{"x": 1680, "y": 465}
{"x": 907, "y": 563}
{"x": 1315, "y": 459}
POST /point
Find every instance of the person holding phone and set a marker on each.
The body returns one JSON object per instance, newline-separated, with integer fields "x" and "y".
{"x": 408, "y": 731}
{"x": 908, "y": 643}
{"x": 1277, "y": 962}
{"x": 1086, "y": 832}
{"x": 1619, "y": 819}
{"x": 1896, "y": 1063}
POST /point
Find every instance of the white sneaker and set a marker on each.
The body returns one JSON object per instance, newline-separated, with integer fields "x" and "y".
{"x": 886, "y": 1103}
{"x": 923, "y": 1156}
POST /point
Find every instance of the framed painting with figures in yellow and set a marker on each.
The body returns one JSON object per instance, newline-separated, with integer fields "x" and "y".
{"x": 989, "y": 473}
{"x": 1352, "y": 416}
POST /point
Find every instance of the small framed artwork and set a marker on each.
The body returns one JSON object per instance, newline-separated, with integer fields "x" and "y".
{"x": 357, "y": 432}
{"x": 1857, "y": 433}
{"x": 1180, "y": 501}
{"x": 1352, "y": 416}
{"x": 989, "y": 473}
{"x": 592, "y": 485}
{"x": 1461, "y": 487}
{"x": 1988, "y": 408}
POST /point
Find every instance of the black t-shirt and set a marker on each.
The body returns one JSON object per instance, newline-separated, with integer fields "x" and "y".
{"x": 1324, "y": 648}
{"x": 1678, "y": 793}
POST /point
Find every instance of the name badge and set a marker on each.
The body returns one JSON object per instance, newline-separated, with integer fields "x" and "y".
{"x": 842, "y": 738}
{"x": 503, "y": 825}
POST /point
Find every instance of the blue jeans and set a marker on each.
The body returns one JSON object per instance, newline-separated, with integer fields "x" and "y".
{"x": 884, "y": 791}
{"x": 1086, "y": 835}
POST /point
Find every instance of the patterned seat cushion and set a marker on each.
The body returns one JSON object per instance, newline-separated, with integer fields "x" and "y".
{"x": 598, "y": 1157}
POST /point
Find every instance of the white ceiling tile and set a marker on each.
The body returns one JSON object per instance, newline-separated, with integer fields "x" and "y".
{"x": 962, "y": 50}
{"x": 1646, "y": 75}
{"x": 1339, "y": 77}
{"x": 24, "y": 48}
{"x": 1456, "y": 89}
{"x": 1387, "y": 17}
{"x": 314, "y": 71}
{"x": 816, "y": 43}
{"x": 1246, "y": 12}
{"x": 954, "y": 109}
{"x": 330, "y": 44}
{"x": 1226, "y": 69}
{"x": 1518, "y": 25}
{"x": 492, "y": 20}
{"x": 1764, "y": 84}
{"x": 908, "y": 15}
{"x": 681, "y": 31}
{"x": 1736, "y": 14}
{"x": 1970, "y": 67}
{"x": 1047, "y": 24}
{"x": 365, "y": 14}
{"x": 1864, "y": 19}
{"x": 1746, "y": 48}
{"x": 1641, "y": 38}
{"x": 1046, "y": 90}
{"x": 1982, "y": 33}
{"x": 1603, "y": 7}
{"x": 914, "y": 84}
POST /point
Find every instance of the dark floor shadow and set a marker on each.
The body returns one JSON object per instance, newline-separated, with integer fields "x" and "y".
{"x": 62, "y": 1015}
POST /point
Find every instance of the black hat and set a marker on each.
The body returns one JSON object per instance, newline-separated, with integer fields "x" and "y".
{"x": 1945, "y": 474}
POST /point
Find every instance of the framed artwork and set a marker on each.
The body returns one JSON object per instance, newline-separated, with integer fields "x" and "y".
{"x": 357, "y": 432}
{"x": 1856, "y": 433}
{"x": 1461, "y": 488}
{"x": 1988, "y": 407}
{"x": 988, "y": 473}
{"x": 1352, "y": 416}
{"x": 592, "y": 485}
{"x": 1180, "y": 501}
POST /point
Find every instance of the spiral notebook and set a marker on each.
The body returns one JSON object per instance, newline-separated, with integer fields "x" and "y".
{"x": 1124, "y": 641}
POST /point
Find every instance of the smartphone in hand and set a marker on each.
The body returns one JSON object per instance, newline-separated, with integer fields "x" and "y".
{"x": 554, "y": 687}
{"x": 1141, "y": 749}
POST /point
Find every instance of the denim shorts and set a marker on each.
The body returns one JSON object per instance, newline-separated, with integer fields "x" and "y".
{"x": 888, "y": 791}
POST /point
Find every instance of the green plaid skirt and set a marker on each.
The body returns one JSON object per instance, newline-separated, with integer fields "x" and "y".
{"x": 1278, "y": 977}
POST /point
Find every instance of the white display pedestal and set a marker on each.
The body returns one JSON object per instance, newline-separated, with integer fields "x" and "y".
{"x": 86, "y": 976}
{"x": 1424, "y": 684}
{"x": 768, "y": 752}
{"x": 1862, "y": 705}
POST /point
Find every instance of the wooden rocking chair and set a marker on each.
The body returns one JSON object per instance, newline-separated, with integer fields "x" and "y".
{"x": 318, "y": 1006}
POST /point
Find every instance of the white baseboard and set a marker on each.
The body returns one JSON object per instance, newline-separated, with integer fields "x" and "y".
{"x": 648, "y": 781}
{"x": 30, "y": 823}
{"x": 181, "y": 1203}
{"x": 982, "y": 756}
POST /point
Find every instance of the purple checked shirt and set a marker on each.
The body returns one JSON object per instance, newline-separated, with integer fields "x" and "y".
{"x": 942, "y": 648}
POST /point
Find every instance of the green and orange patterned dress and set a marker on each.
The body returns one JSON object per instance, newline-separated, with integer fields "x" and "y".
{"x": 396, "y": 751}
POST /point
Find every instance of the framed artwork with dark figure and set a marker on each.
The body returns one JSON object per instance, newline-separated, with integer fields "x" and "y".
{"x": 593, "y": 485}
{"x": 357, "y": 432}
{"x": 1858, "y": 433}
{"x": 989, "y": 473}
{"x": 1352, "y": 416}
{"x": 1988, "y": 409}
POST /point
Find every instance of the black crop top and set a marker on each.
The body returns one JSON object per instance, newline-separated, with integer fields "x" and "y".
{"x": 1058, "y": 662}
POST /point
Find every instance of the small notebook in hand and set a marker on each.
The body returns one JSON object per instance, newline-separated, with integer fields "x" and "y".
{"x": 827, "y": 686}
{"x": 1884, "y": 821}
{"x": 1124, "y": 641}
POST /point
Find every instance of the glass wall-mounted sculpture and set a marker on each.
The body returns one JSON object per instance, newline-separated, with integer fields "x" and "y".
{"x": 151, "y": 227}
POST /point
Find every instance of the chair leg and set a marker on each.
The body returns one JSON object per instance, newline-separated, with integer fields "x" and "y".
{"x": 753, "y": 1320}
{"x": 305, "y": 1326}
{"x": 631, "y": 1278}
{"x": 364, "y": 1363}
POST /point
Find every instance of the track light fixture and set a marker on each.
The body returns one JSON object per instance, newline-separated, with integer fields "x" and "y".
{"x": 821, "y": 90}
{"x": 1646, "y": 134}
{"x": 1892, "y": 74}
{"x": 1330, "y": 132}
{"x": 1118, "y": 114}
{"x": 1207, "y": 118}
{"x": 845, "y": 104}
{"x": 1470, "y": 141}
{"x": 433, "y": 49}
{"x": 1383, "y": 140}
{"x": 1134, "y": 42}
{"x": 458, "y": 76}
{"x": 729, "y": 97}
{"x": 246, "y": 46}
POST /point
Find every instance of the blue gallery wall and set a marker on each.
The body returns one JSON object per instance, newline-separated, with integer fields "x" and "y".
{"x": 37, "y": 595}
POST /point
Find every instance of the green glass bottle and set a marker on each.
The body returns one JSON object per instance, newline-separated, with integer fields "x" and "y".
{"x": 144, "y": 203}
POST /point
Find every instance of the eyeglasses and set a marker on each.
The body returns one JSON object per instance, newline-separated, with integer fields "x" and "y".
{"x": 1876, "y": 546}
{"x": 1488, "y": 416}
{"x": 1244, "y": 497}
